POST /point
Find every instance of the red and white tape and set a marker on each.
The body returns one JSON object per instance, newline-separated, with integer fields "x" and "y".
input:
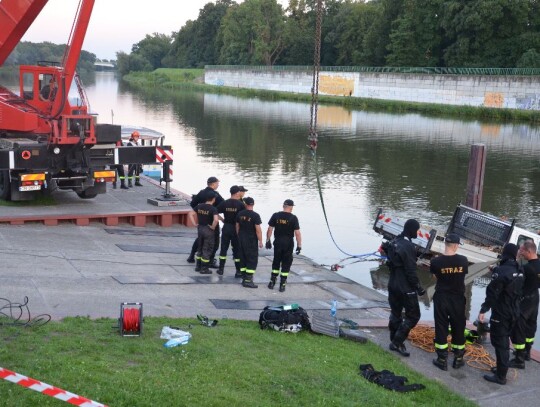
{"x": 162, "y": 155}
{"x": 47, "y": 389}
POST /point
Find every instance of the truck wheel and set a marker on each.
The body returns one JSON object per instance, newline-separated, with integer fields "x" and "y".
{"x": 5, "y": 185}
{"x": 86, "y": 194}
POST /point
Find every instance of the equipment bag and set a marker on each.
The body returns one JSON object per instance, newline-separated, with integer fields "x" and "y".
{"x": 291, "y": 320}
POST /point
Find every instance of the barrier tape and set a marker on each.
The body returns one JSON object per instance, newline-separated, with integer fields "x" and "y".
{"x": 162, "y": 155}
{"x": 47, "y": 389}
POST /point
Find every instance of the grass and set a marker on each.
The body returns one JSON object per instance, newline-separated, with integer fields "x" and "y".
{"x": 191, "y": 79}
{"x": 233, "y": 364}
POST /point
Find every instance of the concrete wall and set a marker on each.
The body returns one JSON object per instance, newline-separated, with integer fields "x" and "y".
{"x": 514, "y": 92}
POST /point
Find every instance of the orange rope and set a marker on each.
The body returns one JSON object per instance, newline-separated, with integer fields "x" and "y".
{"x": 476, "y": 356}
{"x": 131, "y": 322}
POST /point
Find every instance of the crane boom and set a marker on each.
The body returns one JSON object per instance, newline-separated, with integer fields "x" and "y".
{"x": 16, "y": 16}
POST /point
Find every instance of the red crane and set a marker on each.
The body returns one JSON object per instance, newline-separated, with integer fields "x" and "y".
{"x": 44, "y": 139}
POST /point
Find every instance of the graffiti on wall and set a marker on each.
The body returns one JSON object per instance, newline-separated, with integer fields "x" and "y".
{"x": 336, "y": 85}
{"x": 493, "y": 99}
{"x": 529, "y": 102}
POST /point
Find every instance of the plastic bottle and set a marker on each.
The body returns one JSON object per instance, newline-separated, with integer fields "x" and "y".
{"x": 290, "y": 306}
{"x": 182, "y": 340}
{"x": 333, "y": 310}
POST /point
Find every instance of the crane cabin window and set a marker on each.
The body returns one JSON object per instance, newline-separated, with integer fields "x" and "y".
{"x": 28, "y": 86}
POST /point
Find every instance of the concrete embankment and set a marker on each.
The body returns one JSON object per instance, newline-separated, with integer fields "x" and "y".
{"x": 494, "y": 91}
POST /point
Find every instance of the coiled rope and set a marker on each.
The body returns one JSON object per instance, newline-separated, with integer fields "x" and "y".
{"x": 131, "y": 321}
{"x": 476, "y": 356}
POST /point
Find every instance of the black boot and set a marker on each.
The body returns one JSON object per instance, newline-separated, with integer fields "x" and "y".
{"x": 221, "y": 267}
{"x": 198, "y": 265}
{"x": 138, "y": 184}
{"x": 282, "y": 284}
{"x": 130, "y": 183}
{"x": 123, "y": 185}
{"x": 458, "y": 359}
{"x": 238, "y": 273}
{"x": 248, "y": 281}
{"x": 205, "y": 269}
{"x": 495, "y": 379}
{"x": 399, "y": 348}
{"x": 519, "y": 360}
{"x": 442, "y": 360}
{"x": 272, "y": 282}
{"x": 528, "y": 347}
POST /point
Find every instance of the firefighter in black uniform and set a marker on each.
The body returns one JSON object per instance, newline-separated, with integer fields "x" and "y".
{"x": 503, "y": 295}
{"x": 205, "y": 216}
{"x": 403, "y": 288}
{"x": 230, "y": 208}
{"x": 449, "y": 302}
{"x": 286, "y": 227}
{"x": 525, "y": 329}
{"x": 121, "y": 172}
{"x": 134, "y": 170}
{"x": 248, "y": 228}
{"x": 212, "y": 186}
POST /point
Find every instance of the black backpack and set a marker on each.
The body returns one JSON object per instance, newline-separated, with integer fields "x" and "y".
{"x": 291, "y": 320}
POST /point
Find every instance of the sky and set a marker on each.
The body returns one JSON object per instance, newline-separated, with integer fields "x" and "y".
{"x": 115, "y": 24}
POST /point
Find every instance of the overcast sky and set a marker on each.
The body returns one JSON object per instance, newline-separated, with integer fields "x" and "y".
{"x": 115, "y": 24}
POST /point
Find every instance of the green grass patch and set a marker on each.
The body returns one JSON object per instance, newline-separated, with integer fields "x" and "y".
{"x": 233, "y": 364}
{"x": 177, "y": 80}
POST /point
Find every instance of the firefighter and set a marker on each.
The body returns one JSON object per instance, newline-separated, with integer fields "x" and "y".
{"x": 248, "y": 228}
{"x": 242, "y": 192}
{"x": 134, "y": 170}
{"x": 403, "y": 288}
{"x": 449, "y": 302}
{"x": 212, "y": 184}
{"x": 525, "y": 329}
{"x": 230, "y": 208}
{"x": 286, "y": 227}
{"x": 205, "y": 216}
{"x": 503, "y": 295}
{"x": 121, "y": 173}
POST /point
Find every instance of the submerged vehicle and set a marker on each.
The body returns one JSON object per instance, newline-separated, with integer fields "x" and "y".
{"x": 483, "y": 235}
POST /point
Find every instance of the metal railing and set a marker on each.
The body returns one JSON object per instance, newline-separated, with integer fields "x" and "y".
{"x": 386, "y": 69}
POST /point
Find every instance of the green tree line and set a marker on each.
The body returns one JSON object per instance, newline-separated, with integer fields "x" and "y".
{"x": 30, "y": 53}
{"x": 428, "y": 33}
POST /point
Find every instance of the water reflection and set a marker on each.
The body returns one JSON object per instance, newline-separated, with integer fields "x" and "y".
{"x": 410, "y": 164}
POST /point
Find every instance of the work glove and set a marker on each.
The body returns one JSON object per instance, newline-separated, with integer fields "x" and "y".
{"x": 420, "y": 291}
{"x": 298, "y": 249}
{"x": 268, "y": 244}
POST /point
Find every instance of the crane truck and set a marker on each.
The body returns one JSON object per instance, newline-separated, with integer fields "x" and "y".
{"x": 46, "y": 141}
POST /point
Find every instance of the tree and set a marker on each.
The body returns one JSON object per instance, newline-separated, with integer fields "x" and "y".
{"x": 416, "y": 37}
{"x": 354, "y": 21}
{"x": 530, "y": 59}
{"x": 252, "y": 33}
{"x": 152, "y": 49}
{"x": 196, "y": 44}
{"x": 484, "y": 33}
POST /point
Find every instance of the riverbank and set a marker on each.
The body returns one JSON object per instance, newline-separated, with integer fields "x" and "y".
{"x": 71, "y": 270}
{"x": 191, "y": 79}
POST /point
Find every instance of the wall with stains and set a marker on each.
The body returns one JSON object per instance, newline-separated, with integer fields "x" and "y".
{"x": 514, "y": 92}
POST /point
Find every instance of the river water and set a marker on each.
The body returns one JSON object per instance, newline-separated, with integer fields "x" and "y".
{"x": 408, "y": 164}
